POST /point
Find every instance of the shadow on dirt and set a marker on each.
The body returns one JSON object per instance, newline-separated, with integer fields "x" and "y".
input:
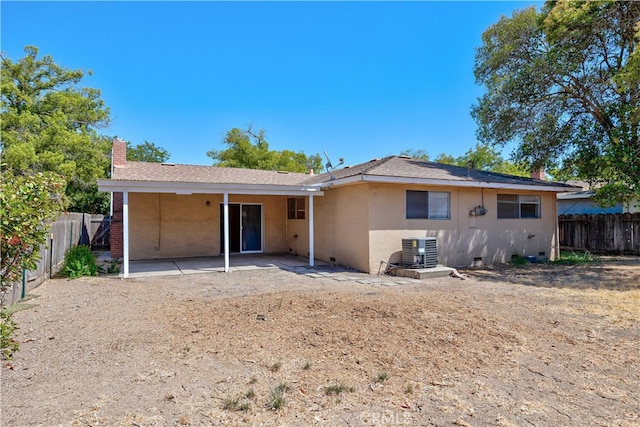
{"x": 618, "y": 274}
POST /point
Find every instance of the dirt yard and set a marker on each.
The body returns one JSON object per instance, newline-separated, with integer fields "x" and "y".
{"x": 535, "y": 345}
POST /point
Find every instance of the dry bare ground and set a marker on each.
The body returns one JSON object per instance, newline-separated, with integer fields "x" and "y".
{"x": 537, "y": 345}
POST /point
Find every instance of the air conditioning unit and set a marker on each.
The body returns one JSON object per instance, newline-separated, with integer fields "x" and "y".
{"x": 419, "y": 252}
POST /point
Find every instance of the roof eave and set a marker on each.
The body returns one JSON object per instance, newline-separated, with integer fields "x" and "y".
{"x": 446, "y": 182}
{"x": 111, "y": 185}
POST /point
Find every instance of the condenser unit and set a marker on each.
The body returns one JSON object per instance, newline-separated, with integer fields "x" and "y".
{"x": 419, "y": 252}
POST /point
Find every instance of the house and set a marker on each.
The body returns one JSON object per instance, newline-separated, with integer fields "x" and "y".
{"x": 581, "y": 202}
{"x": 355, "y": 216}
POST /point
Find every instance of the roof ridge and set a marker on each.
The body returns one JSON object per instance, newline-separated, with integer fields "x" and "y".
{"x": 377, "y": 161}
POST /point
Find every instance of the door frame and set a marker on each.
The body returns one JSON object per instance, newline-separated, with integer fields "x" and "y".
{"x": 239, "y": 230}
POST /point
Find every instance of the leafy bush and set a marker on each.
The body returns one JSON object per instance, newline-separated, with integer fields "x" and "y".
{"x": 80, "y": 261}
{"x": 8, "y": 345}
{"x": 28, "y": 203}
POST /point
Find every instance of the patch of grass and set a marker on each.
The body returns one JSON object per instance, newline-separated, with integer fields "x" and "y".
{"x": 114, "y": 268}
{"x": 275, "y": 367}
{"x": 277, "y": 396}
{"x": 382, "y": 377}
{"x": 253, "y": 380}
{"x": 230, "y": 403}
{"x": 574, "y": 258}
{"x": 337, "y": 389}
{"x": 250, "y": 394}
{"x": 307, "y": 366}
{"x": 408, "y": 389}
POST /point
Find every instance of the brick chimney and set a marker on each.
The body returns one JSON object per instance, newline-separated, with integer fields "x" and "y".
{"x": 118, "y": 159}
{"x": 539, "y": 174}
{"x": 119, "y": 152}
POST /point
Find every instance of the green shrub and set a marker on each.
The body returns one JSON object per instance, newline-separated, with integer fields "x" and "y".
{"x": 80, "y": 261}
{"x": 8, "y": 344}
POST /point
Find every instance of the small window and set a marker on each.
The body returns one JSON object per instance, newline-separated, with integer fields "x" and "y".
{"x": 295, "y": 208}
{"x": 428, "y": 204}
{"x": 518, "y": 206}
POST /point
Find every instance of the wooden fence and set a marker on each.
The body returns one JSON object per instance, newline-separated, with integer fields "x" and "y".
{"x": 67, "y": 231}
{"x": 602, "y": 233}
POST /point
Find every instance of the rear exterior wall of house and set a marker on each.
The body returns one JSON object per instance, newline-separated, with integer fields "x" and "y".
{"x": 462, "y": 238}
{"x": 170, "y": 225}
{"x": 363, "y": 224}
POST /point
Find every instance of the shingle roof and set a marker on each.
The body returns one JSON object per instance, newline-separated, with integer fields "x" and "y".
{"x": 404, "y": 167}
{"x": 156, "y": 172}
{"x": 392, "y": 167}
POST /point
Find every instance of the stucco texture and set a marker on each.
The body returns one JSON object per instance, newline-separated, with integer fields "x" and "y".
{"x": 170, "y": 225}
{"x": 362, "y": 225}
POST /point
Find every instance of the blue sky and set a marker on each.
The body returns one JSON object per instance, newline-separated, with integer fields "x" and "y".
{"x": 358, "y": 79}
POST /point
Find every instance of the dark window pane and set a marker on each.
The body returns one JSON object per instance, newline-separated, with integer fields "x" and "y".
{"x": 291, "y": 208}
{"x": 508, "y": 206}
{"x": 529, "y": 211}
{"x": 416, "y": 204}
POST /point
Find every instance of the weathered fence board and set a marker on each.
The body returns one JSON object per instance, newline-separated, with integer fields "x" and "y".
{"x": 69, "y": 230}
{"x": 602, "y": 233}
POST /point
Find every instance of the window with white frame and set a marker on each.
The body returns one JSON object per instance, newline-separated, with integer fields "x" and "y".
{"x": 428, "y": 204}
{"x": 295, "y": 208}
{"x": 518, "y": 206}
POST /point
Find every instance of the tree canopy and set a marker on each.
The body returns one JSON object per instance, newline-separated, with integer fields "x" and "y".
{"x": 483, "y": 157}
{"x": 51, "y": 124}
{"x": 563, "y": 83}
{"x": 147, "y": 152}
{"x": 247, "y": 149}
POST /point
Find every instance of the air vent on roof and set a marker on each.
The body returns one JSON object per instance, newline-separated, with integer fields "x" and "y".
{"x": 404, "y": 156}
{"x": 168, "y": 164}
{"x": 284, "y": 172}
{"x": 374, "y": 160}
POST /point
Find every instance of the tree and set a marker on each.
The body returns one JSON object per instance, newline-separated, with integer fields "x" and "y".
{"x": 49, "y": 123}
{"x": 564, "y": 84}
{"x": 484, "y": 157}
{"x": 147, "y": 152}
{"x": 247, "y": 149}
{"x": 28, "y": 203}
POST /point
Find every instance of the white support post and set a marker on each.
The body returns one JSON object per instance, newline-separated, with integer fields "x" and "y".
{"x": 125, "y": 232}
{"x": 226, "y": 232}
{"x": 311, "y": 251}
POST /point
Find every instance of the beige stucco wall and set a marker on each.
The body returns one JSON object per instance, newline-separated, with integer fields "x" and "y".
{"x": 341, "y": 219}
{"x": 298, "y": 232}
{"x": 170, "y": 225}
{"x": 461, "y": 238}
